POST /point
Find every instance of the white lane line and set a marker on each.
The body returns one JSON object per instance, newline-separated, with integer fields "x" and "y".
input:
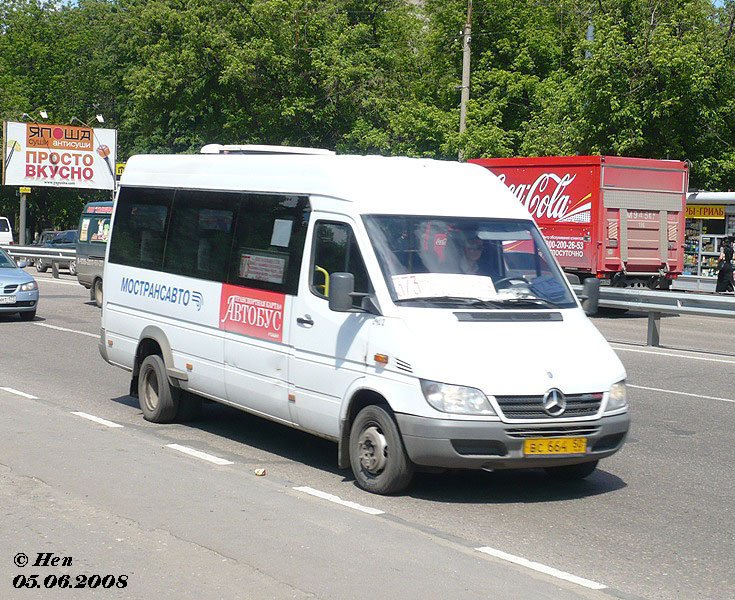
{"x": 338, "y": 500}
{"x": 651, "y": 389}
{"x": 717, "y": 360}
{"x": 203, "y": 455}
{"x": 46, "y": 279}
{"x": 96, "y": 419}
{"x": 542, "y": 568}
{"x": 17, "y": 393}
{"x": 94, "y": 335}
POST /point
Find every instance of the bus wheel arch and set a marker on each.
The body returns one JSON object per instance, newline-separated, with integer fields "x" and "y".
{"x": 371, "y": 443}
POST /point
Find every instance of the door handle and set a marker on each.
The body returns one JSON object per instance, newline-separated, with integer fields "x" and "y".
{"x": 305, "y": 320}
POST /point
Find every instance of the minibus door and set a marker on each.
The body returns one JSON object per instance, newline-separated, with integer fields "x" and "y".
{"x": 328, "y": 347}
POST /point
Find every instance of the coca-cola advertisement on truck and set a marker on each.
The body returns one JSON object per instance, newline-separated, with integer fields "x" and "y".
{"x": 620, "y": 219}
{"x": 561, "y": 204}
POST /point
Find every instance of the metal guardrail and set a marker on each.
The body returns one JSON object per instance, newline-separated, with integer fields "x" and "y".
{"x": 656, "y": 303}
{"x": 653, "y": 302}
{"x": 52, "y": 255}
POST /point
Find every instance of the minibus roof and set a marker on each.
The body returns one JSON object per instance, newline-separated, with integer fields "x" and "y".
{"x": 372, "y": 184}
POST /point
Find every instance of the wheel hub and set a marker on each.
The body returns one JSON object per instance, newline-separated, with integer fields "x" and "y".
{"x": 151, "y": 391}
{"x": 373, "y": 450}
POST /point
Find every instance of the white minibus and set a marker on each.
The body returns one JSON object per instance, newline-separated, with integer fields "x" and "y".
{"x": 407, "y": 309}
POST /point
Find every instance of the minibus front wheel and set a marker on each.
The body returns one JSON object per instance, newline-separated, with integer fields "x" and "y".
{"x": 157, "y": 399}
{"x": 377, "y": 456}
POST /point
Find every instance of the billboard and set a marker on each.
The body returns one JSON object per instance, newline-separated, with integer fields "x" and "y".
{"x": 37, "y": 154}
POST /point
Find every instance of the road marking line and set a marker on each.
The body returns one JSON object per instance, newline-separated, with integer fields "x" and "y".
{"x": 12, "y": 391}
{"x": 641, "y": 387}
{"x": 542, "y": 568}
{"x": 96, "y": 419}
{"x": 718, "y": 360}
{"x": 46, "y": 279}
{"x": 203, "y": 455}
{"x": 94, "y": 335}
{"x": 338, "y": 500}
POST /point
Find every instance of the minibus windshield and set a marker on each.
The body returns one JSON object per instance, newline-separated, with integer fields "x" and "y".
{"x": 467, "y": 262}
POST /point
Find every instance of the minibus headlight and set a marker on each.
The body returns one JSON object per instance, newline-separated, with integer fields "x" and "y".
{"x": 617, "y": 398}
{"x": 456, "y": 399}
{"x": 28, "y": 287}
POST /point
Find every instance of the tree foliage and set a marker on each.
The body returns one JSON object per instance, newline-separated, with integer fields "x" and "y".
{"x": 378, "y": 76}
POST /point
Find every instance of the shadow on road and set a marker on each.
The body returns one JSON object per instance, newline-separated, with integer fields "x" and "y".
{"x": 268, "y": 436}
{"x": 525, "y": 485}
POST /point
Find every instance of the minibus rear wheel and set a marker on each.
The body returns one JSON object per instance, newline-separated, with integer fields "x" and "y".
{"x": 158, "y": 401}
{"x": 377, "y": 456}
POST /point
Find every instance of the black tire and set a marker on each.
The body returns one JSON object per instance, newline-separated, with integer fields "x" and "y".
{"x": 190, "y": 407}
{"x": 27, "y": 315}
{"x": 158, "y": 400}
{"x": 386, "y": 472}
{"x": 572, "y": 472}
{"x": 40, "y": 266}
{"x": 97, "y": 292}
{"x": 73, "y": 267}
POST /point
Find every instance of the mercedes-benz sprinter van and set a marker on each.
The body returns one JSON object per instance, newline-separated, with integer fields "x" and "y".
{"x": 407, "y": 309}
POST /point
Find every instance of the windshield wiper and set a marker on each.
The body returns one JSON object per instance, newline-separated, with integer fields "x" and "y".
{"x": 519, "y": 301}
{"x": 452, "y": 300}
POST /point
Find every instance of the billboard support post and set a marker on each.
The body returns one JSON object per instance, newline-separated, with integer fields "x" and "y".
{"x": 22, "y": 232}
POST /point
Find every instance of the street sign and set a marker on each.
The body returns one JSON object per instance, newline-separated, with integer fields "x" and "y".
{"x": 25, "y": 190}
{"x": 119, "y": 168}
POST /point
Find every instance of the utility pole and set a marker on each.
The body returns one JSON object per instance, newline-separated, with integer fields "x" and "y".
{"x": 590, "y": 37}
{"x": 22, "y": 232}
{"x": 465, "y": 74}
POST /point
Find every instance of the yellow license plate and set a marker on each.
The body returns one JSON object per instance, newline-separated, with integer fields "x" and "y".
{"x": 555, "y": 446}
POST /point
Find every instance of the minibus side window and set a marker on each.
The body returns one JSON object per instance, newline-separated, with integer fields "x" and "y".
{"x": 141, "y": 219}
{"x": 199, "y": 237}
{"x": 336, "y": 251}
{"x": 269, "y": 242}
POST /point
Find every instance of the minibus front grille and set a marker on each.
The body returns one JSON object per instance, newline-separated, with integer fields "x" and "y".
{"x": 9, "y": 289}
{"x": 532, "y": 407}
{"x": 403, "y": 365}
{"x": 545, "y": 432}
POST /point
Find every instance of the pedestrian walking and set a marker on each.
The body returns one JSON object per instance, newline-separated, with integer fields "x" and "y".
{"x": 724, "y": 268}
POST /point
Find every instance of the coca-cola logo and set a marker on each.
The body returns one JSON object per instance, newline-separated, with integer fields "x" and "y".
{"x": 256, "y": 313}
{"x": 547, "y": 197}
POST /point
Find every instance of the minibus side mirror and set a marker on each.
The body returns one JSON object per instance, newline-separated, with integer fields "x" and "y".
{"x": 341, "y": 288}
{"x": 591, "y": 295}
{"x": 342, "y": 293}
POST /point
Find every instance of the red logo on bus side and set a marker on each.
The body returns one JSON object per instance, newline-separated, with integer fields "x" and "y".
{"x": 256, "y": 313}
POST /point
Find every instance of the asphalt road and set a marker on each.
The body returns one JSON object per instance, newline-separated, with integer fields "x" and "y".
{"x": 655, "y": 521}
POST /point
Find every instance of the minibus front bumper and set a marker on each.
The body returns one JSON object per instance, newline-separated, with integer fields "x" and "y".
{"x": 493, "y": 445}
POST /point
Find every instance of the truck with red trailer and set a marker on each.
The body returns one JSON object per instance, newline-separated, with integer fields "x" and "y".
{"x": 618, "y": 219}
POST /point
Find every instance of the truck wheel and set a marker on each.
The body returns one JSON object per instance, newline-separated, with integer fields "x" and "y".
{"x": 158, "y": 401}
{"x": 377, "y": 456}
{"x": 572, "y": 472}
{"x": 97, "y": 290}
